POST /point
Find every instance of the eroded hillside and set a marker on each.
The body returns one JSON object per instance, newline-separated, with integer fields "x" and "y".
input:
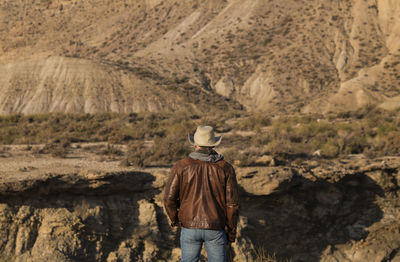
{"x": 129, "y": 56}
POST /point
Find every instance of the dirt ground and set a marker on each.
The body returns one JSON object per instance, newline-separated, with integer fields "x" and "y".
{"x": 17, "y": 162}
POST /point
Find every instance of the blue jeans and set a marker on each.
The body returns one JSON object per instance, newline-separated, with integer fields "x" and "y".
{"x": 192, "y": 240}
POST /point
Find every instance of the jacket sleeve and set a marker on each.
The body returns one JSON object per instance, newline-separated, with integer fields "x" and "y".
{"x": 171, "y": 196}
{"x": 232, "y": 205}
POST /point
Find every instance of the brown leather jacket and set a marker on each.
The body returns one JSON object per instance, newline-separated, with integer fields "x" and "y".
{"x": 202, "y": 194}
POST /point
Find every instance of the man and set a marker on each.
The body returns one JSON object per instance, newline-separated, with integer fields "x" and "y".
{"x": 201, "y": 196}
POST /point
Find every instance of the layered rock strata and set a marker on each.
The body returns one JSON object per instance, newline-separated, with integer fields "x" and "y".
{"x": 343, "y": 210}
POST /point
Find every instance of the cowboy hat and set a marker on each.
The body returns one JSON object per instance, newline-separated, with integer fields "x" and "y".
{"x": 204, "y": 136}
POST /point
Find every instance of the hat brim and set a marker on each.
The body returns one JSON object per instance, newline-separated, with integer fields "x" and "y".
{"x": 217, "y": 141}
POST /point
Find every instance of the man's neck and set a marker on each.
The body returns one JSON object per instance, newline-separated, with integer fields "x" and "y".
{"x": 207, "y": 151}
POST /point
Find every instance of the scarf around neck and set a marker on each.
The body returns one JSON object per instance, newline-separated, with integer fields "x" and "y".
{"x": 206, "y": 155}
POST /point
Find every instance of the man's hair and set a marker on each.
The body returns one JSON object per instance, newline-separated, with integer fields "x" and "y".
{"x": 208, "y": 149}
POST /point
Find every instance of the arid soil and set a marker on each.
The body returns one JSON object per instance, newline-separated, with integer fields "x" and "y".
{"x": 86, "y": 207}
{"x": 153, "y": 55}
{"x": 255, "y": 60}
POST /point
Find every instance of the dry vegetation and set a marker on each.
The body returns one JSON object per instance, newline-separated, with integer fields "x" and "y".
{"x": 263, "y": 256}
{"x": 161, "y": 139}
{"x": 369, "y": 131}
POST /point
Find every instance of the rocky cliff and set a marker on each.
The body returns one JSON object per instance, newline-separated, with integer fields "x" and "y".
{"x": 81, "y": 210}
{"x": 130, "y": 56}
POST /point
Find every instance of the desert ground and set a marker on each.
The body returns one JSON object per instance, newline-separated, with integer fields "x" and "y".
{"x": 97, "y": 99}
{"x": 85, "y": 206}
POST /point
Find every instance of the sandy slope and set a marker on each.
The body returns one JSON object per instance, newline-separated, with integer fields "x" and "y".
{"x": 267, "y": 55}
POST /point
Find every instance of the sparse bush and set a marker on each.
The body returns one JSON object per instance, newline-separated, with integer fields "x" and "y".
{"x": 260, "y": 139}
{"x": 392, "y": 143}
{"x": 112, "y": 150}
{"x": 330, "y": 149}
{"x": 241, "y": 157}
{"x": 371, "y": 131}
{"x": 253, "y": 122}
{"x": 386, "y": 128}
{"x": 169, "y": 149}
{"x": 356, "y": 145}
{"x": 263, "y": 256}
{"x": 277, "y": 147}
{"x": 137, "y": 155}
{"x": 315, "y": 128}
{"x": 230, "y": 155}
{"x": 57, "y": 148}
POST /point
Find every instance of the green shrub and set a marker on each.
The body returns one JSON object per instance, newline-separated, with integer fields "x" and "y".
{"x": 278, "y": 147}
{"x": 330, "y": 149}
{"x": 386, "y": 128}
{"x": 313, "y": 129}
{"x": 251, "y": 123}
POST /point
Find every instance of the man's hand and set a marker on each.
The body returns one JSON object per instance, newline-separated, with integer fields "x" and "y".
{"x": 230, "y": 236}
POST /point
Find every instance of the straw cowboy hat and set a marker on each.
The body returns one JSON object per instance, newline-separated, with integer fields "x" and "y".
{"x": 204, "y": 136}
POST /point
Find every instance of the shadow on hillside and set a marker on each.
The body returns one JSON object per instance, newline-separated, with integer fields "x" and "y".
{"x": 301, "y": 222}
{"x": 82, "y": 220}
